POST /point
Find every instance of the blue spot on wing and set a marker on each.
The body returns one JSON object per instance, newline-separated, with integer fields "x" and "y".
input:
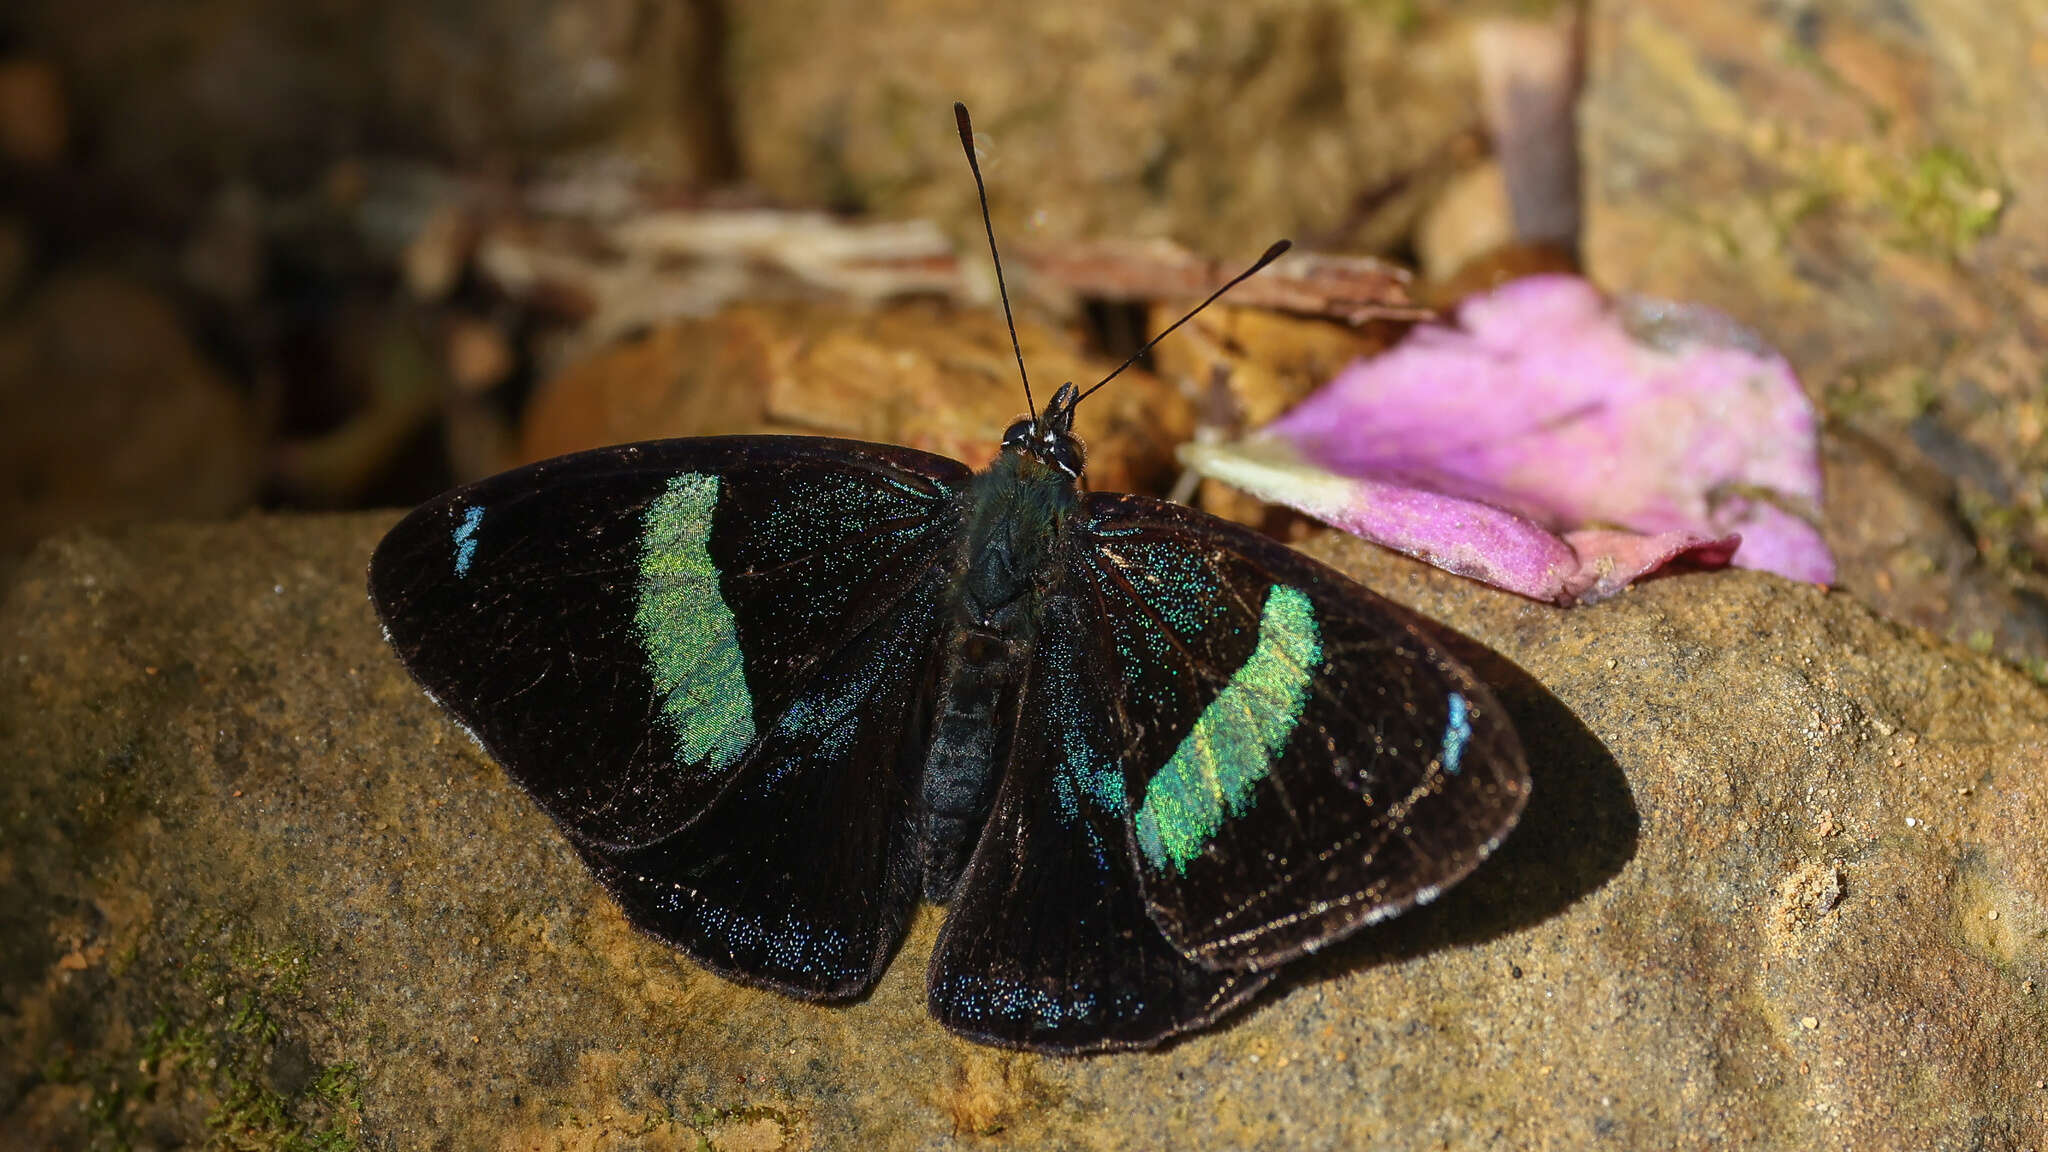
{"x": 465, "y": 538}
{"x": 1457, "y": 731}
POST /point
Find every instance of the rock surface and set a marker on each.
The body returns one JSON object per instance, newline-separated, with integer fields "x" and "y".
{"x": 1781, "y": 886}
{"x": 1218, "y": 123}
{"x": 1854, "y": 180}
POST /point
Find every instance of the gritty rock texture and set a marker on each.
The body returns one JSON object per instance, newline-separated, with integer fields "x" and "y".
{"x": 1855, "y": 179}
{"x": 1781, "y": 885}
{"x": 1219, "y": 123}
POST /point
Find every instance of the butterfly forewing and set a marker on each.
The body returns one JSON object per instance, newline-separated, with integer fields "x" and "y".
{"x": 1048, "y": 944}
{"x": 707, "y": 661}
{"x": 801, "y": 874}
{"x": 1300, "y": 760}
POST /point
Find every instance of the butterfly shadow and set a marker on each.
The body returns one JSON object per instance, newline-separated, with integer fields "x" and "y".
{"x": 1579, "y": 830}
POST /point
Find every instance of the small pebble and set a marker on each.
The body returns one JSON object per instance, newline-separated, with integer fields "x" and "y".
{"x": 1810, "y": 1023}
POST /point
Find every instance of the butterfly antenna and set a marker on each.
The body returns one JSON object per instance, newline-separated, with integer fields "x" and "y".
{"x": 967, "y": 142}
{"x": 1272, "y": 254}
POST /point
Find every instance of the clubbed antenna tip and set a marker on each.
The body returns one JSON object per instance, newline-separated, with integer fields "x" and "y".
{"x": 1278, "y": 249}
{"x": 966, "y": 126}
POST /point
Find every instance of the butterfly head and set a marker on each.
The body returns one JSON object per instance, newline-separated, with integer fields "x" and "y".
{"x": 1049, "y": 437}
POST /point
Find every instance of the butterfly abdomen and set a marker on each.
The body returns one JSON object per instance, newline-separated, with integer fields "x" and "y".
{"x": 1017, "y": 510}
{"x": 968, "y": 736}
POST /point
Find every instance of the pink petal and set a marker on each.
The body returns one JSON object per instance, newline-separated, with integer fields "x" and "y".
{"x": 1468, "y": 537}
{"x": 1556, "y": 446}
{"x": 1610, "y": 559}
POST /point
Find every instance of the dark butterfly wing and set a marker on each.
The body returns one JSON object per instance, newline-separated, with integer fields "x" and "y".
{"x": 707, "y": 660}
{"x": 1300, "y": 760}
{"x": 1048, "y": 944}
{"x": 801, "y": 874}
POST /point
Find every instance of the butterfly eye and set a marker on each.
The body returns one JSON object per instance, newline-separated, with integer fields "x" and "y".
{"x": 1068, "y": 455}
{"x": 1018, "y": 433}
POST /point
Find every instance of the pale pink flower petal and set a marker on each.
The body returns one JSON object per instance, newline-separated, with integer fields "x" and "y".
{"x": 1556, "y": 445}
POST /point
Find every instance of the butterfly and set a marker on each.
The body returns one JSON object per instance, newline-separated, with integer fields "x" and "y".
{"x": 775, "y": 690}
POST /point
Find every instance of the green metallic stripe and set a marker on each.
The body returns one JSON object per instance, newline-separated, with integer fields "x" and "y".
{"x": 1212, "y": 775}
{"x": 686, "y": 628}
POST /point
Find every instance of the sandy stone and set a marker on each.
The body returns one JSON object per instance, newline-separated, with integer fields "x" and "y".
{"x": 1471, "y": 218}
{"x": 1219, "y": 123}
{"x": 307, "y": 905}
{"x": 1851, "y": 180}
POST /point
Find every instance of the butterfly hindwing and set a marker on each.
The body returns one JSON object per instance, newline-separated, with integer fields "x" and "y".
{"x": 1299, "y": 759}
{"x": 1047, "y": 944}
{"x": 707, "y": 660}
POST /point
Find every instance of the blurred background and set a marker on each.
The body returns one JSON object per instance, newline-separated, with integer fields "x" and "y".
{"x": 305, "y": 254}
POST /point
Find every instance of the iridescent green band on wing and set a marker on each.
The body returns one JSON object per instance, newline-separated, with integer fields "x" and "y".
{"x": 686, "y": 629}
{"x": 1211, "y": 777}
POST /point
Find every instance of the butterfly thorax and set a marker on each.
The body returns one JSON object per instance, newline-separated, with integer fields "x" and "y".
{"x": 1017, "y": 513}
{"x": 1016, "y": 517}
